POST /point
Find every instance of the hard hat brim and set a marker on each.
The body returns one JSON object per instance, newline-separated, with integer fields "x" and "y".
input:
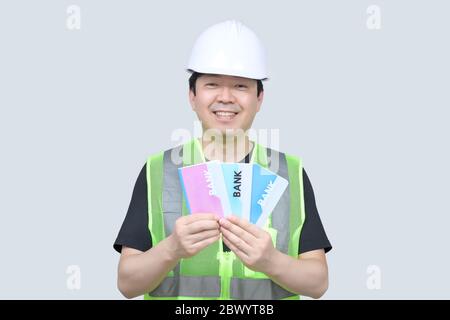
{"x": 234, "y": 74}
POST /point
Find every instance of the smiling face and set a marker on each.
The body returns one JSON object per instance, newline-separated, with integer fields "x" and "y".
{"x": 225, "y": 102}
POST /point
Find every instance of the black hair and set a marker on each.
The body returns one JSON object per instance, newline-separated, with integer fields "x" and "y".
{"x": 195, "y": 75}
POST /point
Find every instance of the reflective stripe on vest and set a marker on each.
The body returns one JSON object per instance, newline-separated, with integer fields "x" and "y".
{"x": 205, "y": 275}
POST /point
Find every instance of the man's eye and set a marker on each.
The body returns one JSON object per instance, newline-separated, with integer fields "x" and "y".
{"x": 211, "y": 85}
{"x": 241, "y": 86}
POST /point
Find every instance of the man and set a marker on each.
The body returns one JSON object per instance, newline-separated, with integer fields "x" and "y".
{"x": 167, "y": 253}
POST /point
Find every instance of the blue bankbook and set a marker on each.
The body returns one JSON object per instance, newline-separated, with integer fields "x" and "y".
{"x": 267, "y": 189}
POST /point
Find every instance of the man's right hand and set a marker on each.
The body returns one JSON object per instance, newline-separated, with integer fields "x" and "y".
{"x": 193, "y": 233}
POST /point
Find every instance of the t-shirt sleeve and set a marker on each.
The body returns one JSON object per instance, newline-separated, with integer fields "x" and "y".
{"x": 312, "y": 236}
{"x": 134, "y": 232}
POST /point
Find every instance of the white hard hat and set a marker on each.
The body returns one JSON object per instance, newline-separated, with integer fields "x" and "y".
{"x": 229, "y": 48}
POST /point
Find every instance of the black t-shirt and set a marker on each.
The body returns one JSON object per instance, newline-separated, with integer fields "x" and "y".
{"x": 134, "y": 232}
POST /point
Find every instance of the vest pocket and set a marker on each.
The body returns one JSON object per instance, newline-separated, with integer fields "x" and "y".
{"x": 204, "y": 263}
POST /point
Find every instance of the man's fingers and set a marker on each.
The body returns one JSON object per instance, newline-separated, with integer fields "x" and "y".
{"x": 236, "y": 241}
{"x": 202, "y": 225}
{"x": 244, "y": 224}
{"x": 241, "y": 255}
{"x": 237, "y": 230}
{"x": 197, "y": 237}
{"x": 204, "y": 243}
{"x": 200, "y": 216}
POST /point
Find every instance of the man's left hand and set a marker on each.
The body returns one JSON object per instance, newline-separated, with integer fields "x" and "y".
{"x": 250, "y": 243}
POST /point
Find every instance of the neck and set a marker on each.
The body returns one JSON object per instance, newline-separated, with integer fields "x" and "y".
{"x": 227, "y": 149}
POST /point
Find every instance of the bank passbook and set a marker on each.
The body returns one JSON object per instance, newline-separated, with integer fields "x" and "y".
{"x": 204, "y": 188}
{"x": 245, "y": 190}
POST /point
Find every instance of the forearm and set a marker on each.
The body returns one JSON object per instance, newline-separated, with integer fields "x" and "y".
{"x": 142, "y": 273}
{"x": 307, "y": 277}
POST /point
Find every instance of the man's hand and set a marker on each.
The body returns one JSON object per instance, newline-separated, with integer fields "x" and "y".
{"x": 250, "y": 243}
{"x": 193, "y": 233}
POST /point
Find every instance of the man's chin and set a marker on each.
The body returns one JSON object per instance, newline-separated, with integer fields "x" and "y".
{"x": 225, "y": 131}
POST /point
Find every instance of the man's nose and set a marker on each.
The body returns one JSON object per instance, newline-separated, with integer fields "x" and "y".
{"x": 226, "y": 95}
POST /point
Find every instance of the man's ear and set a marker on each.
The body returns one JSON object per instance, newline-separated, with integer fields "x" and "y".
{"x": 260, "y": 100}
{"x": 191, "y": 99}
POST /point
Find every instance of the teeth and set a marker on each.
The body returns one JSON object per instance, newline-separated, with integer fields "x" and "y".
{"x": 225, "y": 114}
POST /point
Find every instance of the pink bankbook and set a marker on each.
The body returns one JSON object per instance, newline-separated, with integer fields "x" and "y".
{"x": 204, "y": 188}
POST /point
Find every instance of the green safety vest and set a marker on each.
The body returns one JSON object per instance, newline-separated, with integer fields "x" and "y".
{"x": 213, "y": 273}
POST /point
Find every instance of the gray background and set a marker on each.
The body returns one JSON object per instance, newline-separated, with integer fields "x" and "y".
{"x": 367, "y": 110}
